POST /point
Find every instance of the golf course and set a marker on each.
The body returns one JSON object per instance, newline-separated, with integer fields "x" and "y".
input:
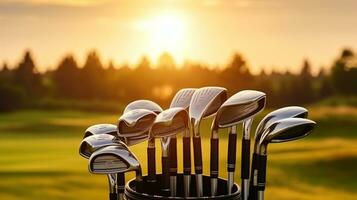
{"x": 40, "y": 160}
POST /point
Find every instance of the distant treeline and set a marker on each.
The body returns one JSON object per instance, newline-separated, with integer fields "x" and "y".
{"x": 22, "y": 85}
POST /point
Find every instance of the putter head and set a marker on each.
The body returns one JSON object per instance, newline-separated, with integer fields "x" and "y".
{"x": 113, "y": 159}
{"x": 240, "y": 107}
{"x": 101, "y": 129}
{"x": 182, "y": 98}
{"x": 282, "y": 113}
{"x": 285, "y": 130}
{"x": 204, "y": 103}
{"x": 170, "y": 122}
{"x": 143, "y": 104}
{"x": 135, "y": 123}
{"x": 94, "y": 142}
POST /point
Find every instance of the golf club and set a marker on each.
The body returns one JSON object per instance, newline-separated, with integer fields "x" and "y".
{"x": 115, "y": 159}
{"x": 143, "y": 104}
{"x": 283, "y": 130}
{"x": 134, "y": 127}
{"x": 204, "y": 103}
{"x": 94, "y": 142}
{"x": 100, "y": 129}
{"x": 181, "y": 100}
{"x": 241, "y": 107}
{"x": 282, "y": 113}
{"x": 168, "y": 123}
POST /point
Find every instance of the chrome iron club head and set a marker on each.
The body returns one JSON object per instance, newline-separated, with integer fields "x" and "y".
{"x": 204, "y": 103}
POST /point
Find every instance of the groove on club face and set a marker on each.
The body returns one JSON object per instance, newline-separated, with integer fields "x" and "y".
{"x": 107, "y": 163}
{"x": 143, "y": 104}
{"x": 182, "y": 98}
{"x": 100, "y": 129}
{"x": 135, "y": 123}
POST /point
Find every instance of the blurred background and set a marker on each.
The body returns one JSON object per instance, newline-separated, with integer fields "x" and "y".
{"x": 69, "y": 64}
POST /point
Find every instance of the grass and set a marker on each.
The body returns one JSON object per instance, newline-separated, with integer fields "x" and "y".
{"x": 40, "y": 160}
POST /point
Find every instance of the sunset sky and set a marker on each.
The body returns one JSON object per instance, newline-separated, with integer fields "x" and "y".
{"x": 269, "y": 33}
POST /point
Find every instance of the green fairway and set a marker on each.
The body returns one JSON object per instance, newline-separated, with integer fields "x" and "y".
{"x": 40, "y": 160}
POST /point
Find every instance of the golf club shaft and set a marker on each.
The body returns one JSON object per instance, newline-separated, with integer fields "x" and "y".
{"x": 151, "y": 165}
{"x": 173, "y": 165}
{"x": 253, "y": 178}
{"x": 113, "y": 195}
{"x": 186, "y": 143}
{"x": 245, "y": 162}
{"x": 231, "y": 157}
{"x": 197, "y": 147}
{"x": 214, "y": 162}
{"x": 120, "y": 185}
{"x": 165, "y": 173}
{"x": 261, "y": 179}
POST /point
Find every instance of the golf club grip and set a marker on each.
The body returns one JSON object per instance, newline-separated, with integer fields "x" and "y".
{"x": 197, "y": 148}
{"x": 186, "y": 155}
{"x": 151, "y": 164}
{"x": 252, "y": 188}
{"x": 113, "y": 196}
{"x": 214, "y": 157}
{"x": 262, "y": 167}
{"x": 121, "y": 183}
{"x": 165, "y": 162}
{"x": 245, "y": 162}
{"x": 173, "y": 156}
{"x": 232, "y": 149}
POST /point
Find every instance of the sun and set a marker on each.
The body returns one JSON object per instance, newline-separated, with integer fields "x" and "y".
{"x": 166, "y": 33}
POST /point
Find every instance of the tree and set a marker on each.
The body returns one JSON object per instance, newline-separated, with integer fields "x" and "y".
{"x": 66, "y": 78}
{"x": 26, "y": 76}
{"x": 344, "y": 73}
{"x": 92, "y": 78}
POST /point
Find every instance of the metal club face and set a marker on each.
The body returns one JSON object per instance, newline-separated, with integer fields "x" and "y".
{"x": 113, "y": 159}
{"x": 170, "y": 122}
{"x": 135, "y": 123}
{"x": 282, "y": 113}
{"x": 94, "y": 142}
{"x": 143, "y": 104}
{"x": 285, "y": 130}
{"x": 240, "y": 107}
{"x": 205, "y": 102}
{"x": 182, "y": 98}
{"x": 101, "y": 129}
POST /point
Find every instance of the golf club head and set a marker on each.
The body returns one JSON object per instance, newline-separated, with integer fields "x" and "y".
{"x": 240, "y": 107}
{"x": 135, "y": 123}
{"x": 170, "y": 122}
{"x": 130, "y": 141}
{"x": 94, "y": 142}
{"x": 182, "y": 98}
{"x": 101, "y": 129}
{"x": 143, "y": 104}
{"x": 113, "y": 159}
{"x": 282, "y": 113}
{"x": 285, "y": 130}
{"x": 204, "y": 103}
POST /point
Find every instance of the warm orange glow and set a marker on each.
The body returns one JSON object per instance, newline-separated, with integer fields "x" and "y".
{"x": 166, "y": 34}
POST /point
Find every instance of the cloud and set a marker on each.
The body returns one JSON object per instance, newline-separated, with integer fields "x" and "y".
{"x": 70, "y": 3}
